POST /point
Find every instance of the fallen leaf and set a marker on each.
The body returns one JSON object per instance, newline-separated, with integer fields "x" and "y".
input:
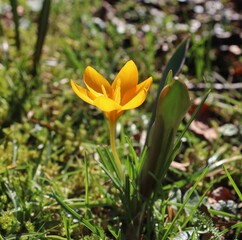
{"x": 180, "y": 166}
{"x": 221, "y": 193}
{"x": 203, "y": 129}
{"x": 201, "y": 125}
{"x": 237, "y": 68}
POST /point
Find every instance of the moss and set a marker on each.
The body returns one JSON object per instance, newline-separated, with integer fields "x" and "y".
{"x": 8, "y": 222}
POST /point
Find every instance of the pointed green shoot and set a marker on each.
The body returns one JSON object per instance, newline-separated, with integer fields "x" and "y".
{"x": 169, "y": 77}
{"x": 172, "y": 106}
{"x": 175, "y": 64}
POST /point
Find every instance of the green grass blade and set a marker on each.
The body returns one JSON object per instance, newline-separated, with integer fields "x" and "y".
{"x": 37, "y": 163}
{"x": 105, "y": 160}
{"x": 197, "y": 204}
{"x": 178, "y": 141}
{"x": 210, "y": 210}
{"x": 48, "y": 145}
{"x": 141, "y": 161}
{"x": 41, "y": 34}
{"x": 66, "y": 224}
{"x": 53, "y": 237}
{"x": 237, "y": 225}
{"x": 71, "y": 57}
{"x": 132, "y": 163}
{"x": 14, "y": 4}
{"x": 86, "y": 182}
{"x": 222, "y": 214}
{"x": 12, "y": 196}
{"x": 15, "y": 151}
{"x": 25, "y": 236}
{"x": 108, "y": 168}
{"x": 233, "y": 183}
{"x": 94, "y": 229}
{"x": 112, "y": 162}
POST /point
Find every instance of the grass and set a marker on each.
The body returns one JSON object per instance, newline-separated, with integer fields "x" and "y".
{"x": 52, "y": 181}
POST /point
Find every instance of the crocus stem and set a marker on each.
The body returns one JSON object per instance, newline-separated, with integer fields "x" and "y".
{"x": 114, "y": 150}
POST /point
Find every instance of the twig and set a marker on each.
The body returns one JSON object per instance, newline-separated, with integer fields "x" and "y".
{"x": 216, "y": 86}
{"x": 42, "y": 124}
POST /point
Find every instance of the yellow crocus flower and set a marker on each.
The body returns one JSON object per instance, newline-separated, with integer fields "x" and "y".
{"x": 113, "y": 99}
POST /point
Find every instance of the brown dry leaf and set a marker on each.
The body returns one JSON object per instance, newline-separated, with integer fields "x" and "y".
{"x": 221, "y": 193}
{"x": 201, "y": 125}
{"x": 237, "y": 68}
{"x": 180, "y": 166}
{"x": 203, "y": 129}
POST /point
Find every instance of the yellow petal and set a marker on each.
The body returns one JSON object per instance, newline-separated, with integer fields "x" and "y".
{"x": 140, "y": 96}
{"x": 144, "y": 85}
{"x": 94, "y": 81}
{"x": 117, "y": 92}
{"x": 106, "y": 104}
{"x": 128, "y": 77}
{"x": 134, "y": 91}
{"x": 128, "y": 95}
{"x": 82, "y": 93}
{"x": 135, "y": 101}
